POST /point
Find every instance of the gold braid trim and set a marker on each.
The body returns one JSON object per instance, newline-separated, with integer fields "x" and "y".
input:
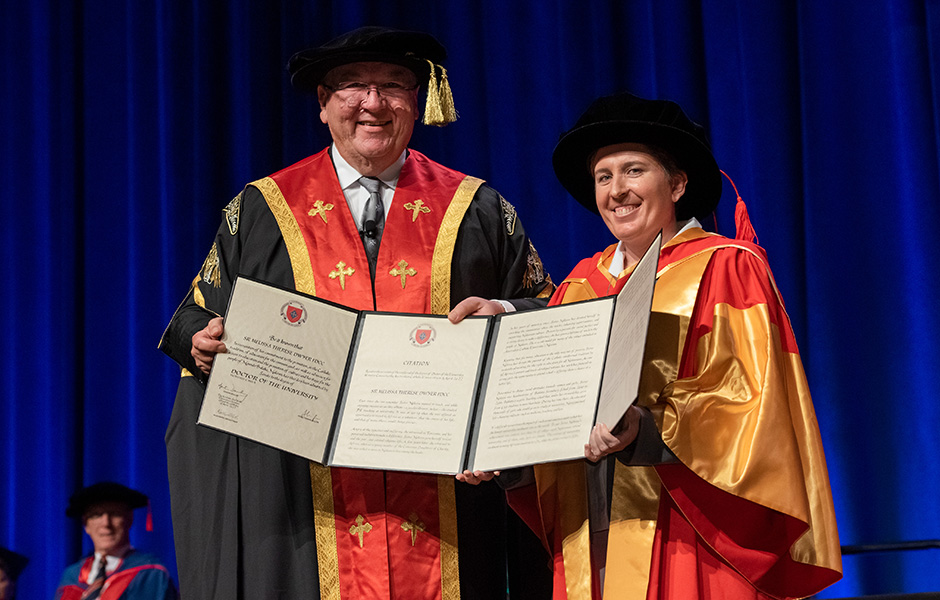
{"x": 320, "y": 480}
{"x": 198, "y": 298}
{"x": 325, "y": 523}
{"x": 290, "y": 231}
{"x": 548, "y": 290}
{"x": 200, "y": 301}
{"x": 450, "y": 571}
{"x": 444, "y": 247}
{"x": 211, "y": 270}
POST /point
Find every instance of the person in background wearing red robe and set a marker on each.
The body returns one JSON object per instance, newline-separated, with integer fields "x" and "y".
{"x": 11, "y": 565}
{"x": 115, "y": 570}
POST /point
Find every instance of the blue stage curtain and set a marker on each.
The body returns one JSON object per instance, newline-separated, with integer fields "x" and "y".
{"x": 128, "y": 125}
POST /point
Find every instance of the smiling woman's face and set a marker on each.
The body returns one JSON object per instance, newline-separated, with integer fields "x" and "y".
{"x": 634, "y": 194}
{"x": 372, "y": 134}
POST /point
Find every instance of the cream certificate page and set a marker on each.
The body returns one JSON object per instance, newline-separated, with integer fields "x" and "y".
{"x": 279, "y": 382}
{"x": 410, "y": 393}
{"x": 543, "y": 385}
{"x": 628, "y": 339}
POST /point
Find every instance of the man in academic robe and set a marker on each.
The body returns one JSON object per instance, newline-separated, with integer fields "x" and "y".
{"x": 11, "y": 565}
{"x": 115, "y": 570}
{"x": 370, "y": 224}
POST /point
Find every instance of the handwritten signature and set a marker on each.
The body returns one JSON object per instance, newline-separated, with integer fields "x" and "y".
{"x": 306, "y": 416}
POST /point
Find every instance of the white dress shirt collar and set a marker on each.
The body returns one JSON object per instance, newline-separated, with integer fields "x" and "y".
{"x": 347, "y": 175}
{"x": 355, "y": 194}
{"x": 112, "y": 560}
{"x": 616, "y": 263}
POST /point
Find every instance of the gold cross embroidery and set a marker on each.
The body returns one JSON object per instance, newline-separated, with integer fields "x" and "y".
{"x": 402, "y": 271}
{"x": 319, "y": 209}
{"x": 415, "y": 208}
{"x": 414, "y": 526}
{"x": 341, "y": 272}
{"x": 360, "y": 528}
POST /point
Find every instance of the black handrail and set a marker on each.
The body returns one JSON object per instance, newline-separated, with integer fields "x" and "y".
{"x": 890, "y": 547}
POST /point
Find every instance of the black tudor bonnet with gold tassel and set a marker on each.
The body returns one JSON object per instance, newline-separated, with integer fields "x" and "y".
{"x": 417, "y": 51}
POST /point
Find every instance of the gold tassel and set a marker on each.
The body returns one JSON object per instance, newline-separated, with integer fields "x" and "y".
{"x": 447, "y": 99}
{"x": 439, "y": 109}
{"x": 432, "y": 109}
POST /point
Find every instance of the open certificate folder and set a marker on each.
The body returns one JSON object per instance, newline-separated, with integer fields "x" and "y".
{"x": 417, "y": 393}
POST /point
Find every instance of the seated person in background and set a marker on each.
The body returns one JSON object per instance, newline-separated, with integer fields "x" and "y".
{"x": 714, "y": 484}
{"x": 115, "y": 569}
{"x": 11, "y": 565}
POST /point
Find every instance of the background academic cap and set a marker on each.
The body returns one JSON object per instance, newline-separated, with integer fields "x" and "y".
{"x": 104, "y": 491}
{"x": 12, "y": 563}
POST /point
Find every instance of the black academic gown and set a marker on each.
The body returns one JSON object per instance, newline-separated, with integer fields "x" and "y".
{"x": 242, "y": 516}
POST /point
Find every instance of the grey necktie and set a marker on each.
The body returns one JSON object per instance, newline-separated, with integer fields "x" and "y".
{"x": 102, "y": 568}
{"x": 94, "y": 588}
{"x": 373, "y": 220}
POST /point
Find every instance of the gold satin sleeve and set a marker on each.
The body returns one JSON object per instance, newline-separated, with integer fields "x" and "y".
{"x": 820, "y": 544}
{"x": 745, "y": 424}
{"x": 722, "y": 423}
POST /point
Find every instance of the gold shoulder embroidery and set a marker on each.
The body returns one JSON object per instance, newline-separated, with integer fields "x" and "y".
{"x": 416, "y": 208}
{"x": 319, "y": 210}
{"x": 534, "y": 272}
{"x": 509, "y": 215}
{"x": 402, "y": 271}
{"x": 211, "y": 273}
{"x": 342, "y": 271}
{"x": 232, "y": 212}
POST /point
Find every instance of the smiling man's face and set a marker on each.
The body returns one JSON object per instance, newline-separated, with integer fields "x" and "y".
{"x": 108, "y": 524}
{"x": 373, "y": 131}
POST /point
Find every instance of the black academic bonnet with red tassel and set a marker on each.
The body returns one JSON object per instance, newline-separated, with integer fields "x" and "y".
{"x": 625, "y": 118}
{"x": 104, "y": 491}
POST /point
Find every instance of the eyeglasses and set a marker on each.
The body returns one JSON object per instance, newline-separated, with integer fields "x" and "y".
{"x": 354, "y": 92}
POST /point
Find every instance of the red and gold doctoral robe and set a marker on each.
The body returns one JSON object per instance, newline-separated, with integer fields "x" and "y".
{"x": 746, "y": 511}
{"x": 380, "y": 534}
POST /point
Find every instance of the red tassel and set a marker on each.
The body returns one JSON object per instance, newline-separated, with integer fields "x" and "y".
{"x": 149, "y": 517}
{"x": 742, "y": 222}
